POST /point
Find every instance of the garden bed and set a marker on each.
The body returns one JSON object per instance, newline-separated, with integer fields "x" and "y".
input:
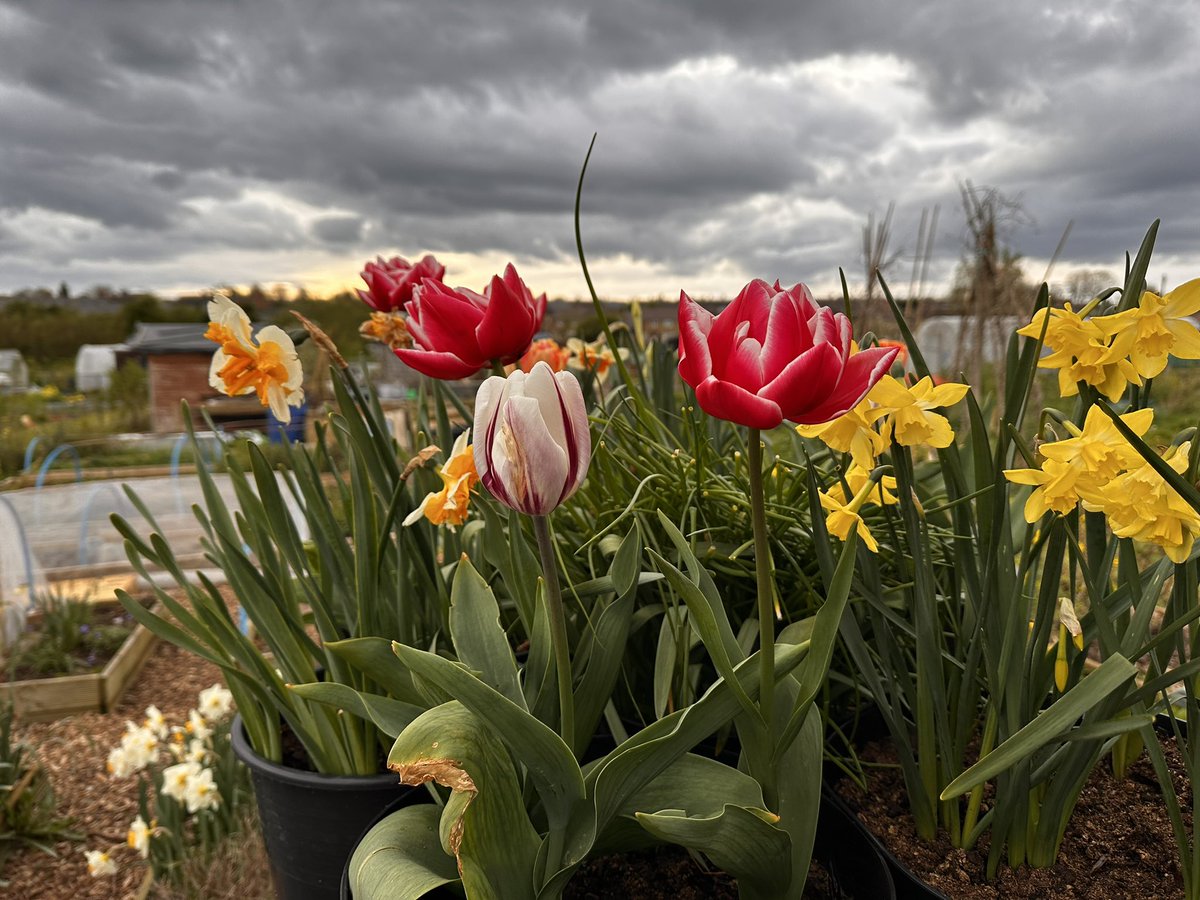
{"x": 1118, "y": 844}
{"x": 42, "y": 699}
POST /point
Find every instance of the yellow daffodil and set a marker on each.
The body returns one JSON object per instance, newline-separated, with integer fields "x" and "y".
{"x": 1099, "y": 450}
{"x": 908, "y": 414}
{"x": 1056, "y": 488}
{"x": 856, "y": 479}
{"x": 850, "y": 433}
{"x": 843, "y": 516}
{"x": 1080, "y": 350}
{"x": 1141, "y": 505}
{"x": 1081, "y": 467}
{"x": 1160, "y": 328}
{"x": 387, "y": 328}
{"x": 267, "y": 366}
{"x": 449, "y": 505}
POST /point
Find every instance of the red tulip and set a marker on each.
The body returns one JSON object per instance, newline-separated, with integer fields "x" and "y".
{"x": 390, "y": 282}
{"x": 772, "y": 355}
{"x": 458, "y": 332}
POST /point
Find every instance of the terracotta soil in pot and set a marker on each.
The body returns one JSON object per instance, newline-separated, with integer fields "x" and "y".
{"x": 1118, "y": 844}
{"x": 669, "y": 873}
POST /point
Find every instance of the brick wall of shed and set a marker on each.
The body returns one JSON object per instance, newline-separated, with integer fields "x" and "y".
{"x": 174, "y": 377}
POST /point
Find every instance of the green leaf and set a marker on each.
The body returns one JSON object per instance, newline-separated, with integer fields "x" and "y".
{"x": 1049, "y": 725}
{"x": 373, "y": 657}
{"x": 479, "y": 639}
{"x": 390, "y": 716}
{"x": 550, "y": 763}
{"x": 605, "y": 649}
{"x": 624, "y": 569}
{"x": 639, "y": 760}
{"x": 718, "y": 641}
{"x": 743, "y": 842}
{"x": 485, "y": 824}
{"x": 401, "y": 858}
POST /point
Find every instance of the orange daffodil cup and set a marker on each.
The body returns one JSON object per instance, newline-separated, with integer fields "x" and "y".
{"x": 266, "y": 365}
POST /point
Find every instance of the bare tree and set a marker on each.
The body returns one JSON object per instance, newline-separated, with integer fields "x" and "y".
{"x": 996, "y": 286}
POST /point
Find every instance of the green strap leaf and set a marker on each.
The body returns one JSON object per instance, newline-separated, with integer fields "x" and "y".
{"x": 1049, "y": 725}
{"x": 551, "y": 765}
{"x": 390, "y": 716}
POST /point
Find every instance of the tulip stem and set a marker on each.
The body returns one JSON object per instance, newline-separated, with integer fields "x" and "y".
{"x": 762, "y": 569}
{"x": 558, "y": 630}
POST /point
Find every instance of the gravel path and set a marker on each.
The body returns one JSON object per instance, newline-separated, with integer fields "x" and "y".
{"x": 74, "y": 750}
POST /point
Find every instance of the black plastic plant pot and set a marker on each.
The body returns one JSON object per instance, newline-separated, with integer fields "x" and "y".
{"x": 850, "y": 853}
{"x": 311, "y": 823}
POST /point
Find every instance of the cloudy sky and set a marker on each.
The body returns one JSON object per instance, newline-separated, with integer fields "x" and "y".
{"x": 177, "y": 144}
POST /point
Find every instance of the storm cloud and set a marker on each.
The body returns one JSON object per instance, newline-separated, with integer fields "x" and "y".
{"x": 174, "y": 145}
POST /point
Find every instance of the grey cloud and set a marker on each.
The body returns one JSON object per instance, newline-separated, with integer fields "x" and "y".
{"x": 338, "y": 229}
{"x": 461, "y": 127}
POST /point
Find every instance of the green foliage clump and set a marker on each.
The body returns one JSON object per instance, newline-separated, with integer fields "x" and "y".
{"x": 27, "y": 804}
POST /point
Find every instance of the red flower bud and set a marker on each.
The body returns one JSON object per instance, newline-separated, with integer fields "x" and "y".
{"x": 390, "y": 282}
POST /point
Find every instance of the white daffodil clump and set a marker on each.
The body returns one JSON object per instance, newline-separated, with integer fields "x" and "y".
{"x": 182, "y": 762}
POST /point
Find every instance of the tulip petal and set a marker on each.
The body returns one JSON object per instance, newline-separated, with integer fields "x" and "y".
{"x": 579, "y": 439}
{"x": 744, "y": 366}
{"x": 753, "y": 300}
{"x": 736, "y": 404}
{"x": 488, "y": 450}
{"x": 446, "y": 321}
{"x": 862, "y": 372}
{"x": 535, "y": 469}
{"x": 437, "y": 364}
{"x": 507, "y": 325}
{"x": 542, "y": 387}
{"x": 784, "y": 340}
{"x": 806, "y": 381}
{"x": 695, "y": 323}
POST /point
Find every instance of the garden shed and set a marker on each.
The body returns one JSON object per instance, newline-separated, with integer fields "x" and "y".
{"x": 14, "y": 372}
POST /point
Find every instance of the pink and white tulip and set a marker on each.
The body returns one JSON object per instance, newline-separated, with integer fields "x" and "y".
{"x": 532, "y": 444}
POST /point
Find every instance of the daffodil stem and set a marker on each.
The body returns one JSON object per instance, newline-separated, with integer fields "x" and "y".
{"x": 762, "y": 568}
{"x": 558, "y": 630}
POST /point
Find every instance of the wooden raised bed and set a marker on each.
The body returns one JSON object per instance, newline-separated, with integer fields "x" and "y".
{"x": 46, "y": 699}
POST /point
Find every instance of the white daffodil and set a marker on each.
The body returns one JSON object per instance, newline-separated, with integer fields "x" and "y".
{"x": 201, "y": 792}
{"x": 99, "y": 864}
{"x": 215, "y": 703}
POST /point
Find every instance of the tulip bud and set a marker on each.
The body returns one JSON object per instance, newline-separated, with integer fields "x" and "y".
{"x": 532, "y": 444}
{"x": 390, "y": 282}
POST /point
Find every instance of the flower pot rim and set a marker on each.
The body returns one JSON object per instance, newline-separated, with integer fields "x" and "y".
{"x": 301, "y": 777}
